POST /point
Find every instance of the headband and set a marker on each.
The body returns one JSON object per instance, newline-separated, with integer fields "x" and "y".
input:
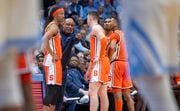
{"x": 57, "y": 11}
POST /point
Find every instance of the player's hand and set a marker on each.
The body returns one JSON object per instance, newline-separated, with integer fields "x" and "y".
{"x": 55, "y": 57}
{"x": 87, "y": 76}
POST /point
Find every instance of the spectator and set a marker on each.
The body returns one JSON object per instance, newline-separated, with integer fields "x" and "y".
{"x": 82, "y": 66}
{"x": 76, "y": 85}
{"x": 114, "y": 15}
{"x": 46, "y": 5}
{"x": 65, "y": 5}
{"x": 84, "y": 42}
{"x": 83, "y": 2}
{"x": 98, "y": 3}
{"x": 79, "y": 22}
{"x": 87, "y": 9}
{"x": 117, "y": 5}
{"x": 75, "y": 7}
{"x": 100, "y": 12}
{"x": 109, "y": 8}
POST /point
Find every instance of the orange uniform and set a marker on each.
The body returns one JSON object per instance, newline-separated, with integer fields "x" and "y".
{"x": 99, "y": 59}
{"x": 120, "y": 74}
{"x": 53, "y": 69}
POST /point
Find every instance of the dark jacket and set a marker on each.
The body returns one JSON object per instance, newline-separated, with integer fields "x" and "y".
{"x": 75, "y": 80}
{"x": 67, "y": 41}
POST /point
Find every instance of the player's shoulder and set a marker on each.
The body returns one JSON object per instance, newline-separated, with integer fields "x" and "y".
{"x": 97, "y": 26}
{"x": 118, "y": 31}
{"x": 52, "y": 26}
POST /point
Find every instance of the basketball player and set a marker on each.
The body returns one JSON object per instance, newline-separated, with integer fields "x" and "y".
{"x": 99, "y": 66}
{"x": 120, "y": 74}
{"x": 52, "y": 48}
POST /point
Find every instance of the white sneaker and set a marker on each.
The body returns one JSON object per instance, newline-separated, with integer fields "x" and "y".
{"x": 84, "y": 99}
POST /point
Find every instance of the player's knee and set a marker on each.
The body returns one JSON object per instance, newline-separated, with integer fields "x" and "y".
{"x": 92, "y": 91}
{"x": 128, "y": 98}
{"x": 102, "y": 91}
{"x": 118, "y": 95}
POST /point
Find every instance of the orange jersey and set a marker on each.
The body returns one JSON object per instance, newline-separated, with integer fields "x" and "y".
{"x": 120, "y": 74}
{"x": 99, "y": 59}
{"x": 120, "y": 52}
{"x": 53, "y": 70}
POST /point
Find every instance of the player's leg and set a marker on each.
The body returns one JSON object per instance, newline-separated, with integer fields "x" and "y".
{"x": 129, "y": 100}
{"x": 118, "y": 99}
{"x": 103, "y": 97}
{"x": 93, "y": 93}
{"x": 126, "y": 85}
{"x": 50, "y": 100}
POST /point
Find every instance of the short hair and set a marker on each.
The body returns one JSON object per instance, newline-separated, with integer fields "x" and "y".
{"x": 94, "y": 14}
{"x": 53, "y": 8}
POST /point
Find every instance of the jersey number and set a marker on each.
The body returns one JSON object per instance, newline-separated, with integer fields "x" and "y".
{"x": 95, "y": 72}
{"x": 51, "y": 77}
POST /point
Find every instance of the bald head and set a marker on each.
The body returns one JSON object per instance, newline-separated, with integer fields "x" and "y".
{"x": 69, "y": 20}
{"x": 68, "y": 26}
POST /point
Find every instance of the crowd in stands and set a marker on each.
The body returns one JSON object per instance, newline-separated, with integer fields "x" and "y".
{"x": 75, "y": 25}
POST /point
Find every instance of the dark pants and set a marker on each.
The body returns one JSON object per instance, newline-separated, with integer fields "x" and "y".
{"x": 111, "y": 101}
{"x": 60, "y": 102}
{"x": 52, "y": 94}
{"x": 70, "y": 105}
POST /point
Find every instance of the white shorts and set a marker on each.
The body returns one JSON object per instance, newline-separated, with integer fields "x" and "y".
{"x": 18, "y": 31}
{"x": 150, "y": 28}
